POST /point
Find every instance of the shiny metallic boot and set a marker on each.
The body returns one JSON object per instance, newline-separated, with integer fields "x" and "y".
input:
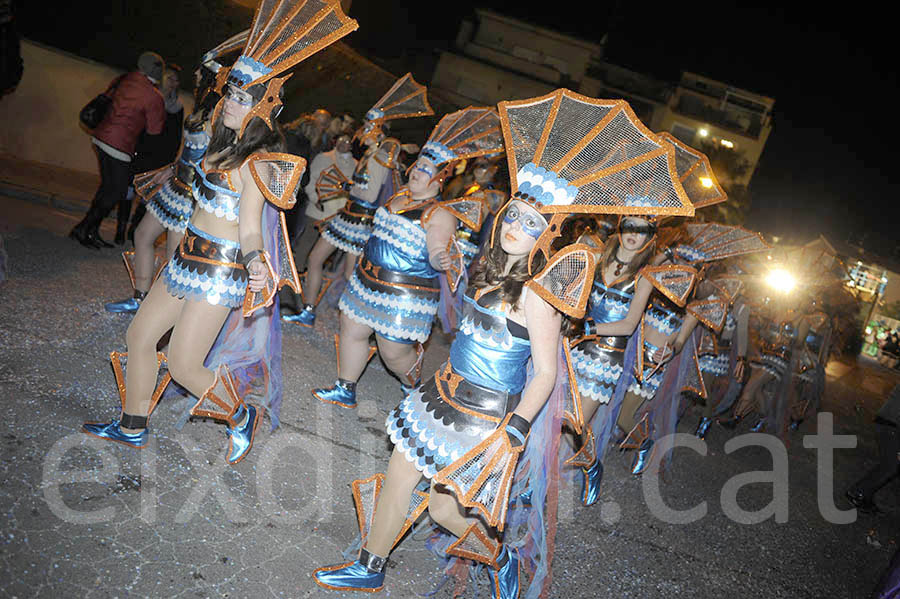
{"x": 593, "y": 476}
{"x": 112, "y": 431}
{"x": 342, "y": 393}
{"x": 222, "y": 402}
{"x": 703, "y": 427}
{"x": 305, "y": 317}
{"x": 759, "y": 426}
{"x": 475, "y": 544}
{"x": 365, "y": 574}
{"x": 126, "y": 306}
{"x": 642, "y": 459}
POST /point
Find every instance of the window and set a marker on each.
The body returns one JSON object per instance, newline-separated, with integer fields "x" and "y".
{"x": 684, "y": 133}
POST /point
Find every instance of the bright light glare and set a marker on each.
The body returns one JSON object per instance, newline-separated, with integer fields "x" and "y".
{"x": 781, "y": 280}
{"x": 727, "y": 144}
{"x": 703, "y": 132}
{"x": 706, "y": 182}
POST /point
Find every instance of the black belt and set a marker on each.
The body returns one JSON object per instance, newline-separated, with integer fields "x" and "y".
{"x": 386, "y": 275}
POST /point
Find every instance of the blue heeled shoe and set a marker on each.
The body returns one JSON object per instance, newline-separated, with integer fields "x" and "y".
{"x": 305, "y": 317}
{"x": 642, "y": 459}
{"x": 241, "y": 436}
{"x": 111, "y": 431}
{"x": 703, "y": 427}
{"x": 124, "y": 306}
{"x": 506, "y": 579}
{"x": 338, "y": 394}
{"x": 593, "y": 476}
{"x": 365, "y": 574}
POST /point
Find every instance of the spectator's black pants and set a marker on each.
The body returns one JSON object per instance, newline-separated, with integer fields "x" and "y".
{"x": 887, "y": 466}
{"x": 115, "y": 177}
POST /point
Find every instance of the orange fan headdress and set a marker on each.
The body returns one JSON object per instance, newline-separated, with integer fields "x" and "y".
{"x": 406, "y": 99}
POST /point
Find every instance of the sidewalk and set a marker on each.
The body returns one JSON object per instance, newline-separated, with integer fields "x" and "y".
{"x": 57, "y": 187}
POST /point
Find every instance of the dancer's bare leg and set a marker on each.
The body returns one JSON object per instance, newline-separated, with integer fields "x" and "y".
{"x": 173, "y": 240}
{"x": 446, "y": 510}
{"x": 628, "y": 414}
{"x": 398, "y": 357}
{"x": 314, "y": 265}
{"x": 749, "y": 395}
{"x": 158, "y": 313}
{"x": 144, "y": 238}
{"x": 349, "y": 265}
{"x": 354, "y": 352}
{"x": 393, "y": 504}
{"x": 195, "y": 332}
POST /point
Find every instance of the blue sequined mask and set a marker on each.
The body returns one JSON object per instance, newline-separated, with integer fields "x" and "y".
{"x": 532, "y": 224}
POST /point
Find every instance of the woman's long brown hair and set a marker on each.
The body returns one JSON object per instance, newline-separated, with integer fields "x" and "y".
{"x": 637, "y": 261}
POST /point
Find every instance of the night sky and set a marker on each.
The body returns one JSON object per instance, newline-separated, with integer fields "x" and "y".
{"x": 828, "y": 162}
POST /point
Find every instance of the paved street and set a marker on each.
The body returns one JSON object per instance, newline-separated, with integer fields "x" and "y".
{"x": 87, "y": 518}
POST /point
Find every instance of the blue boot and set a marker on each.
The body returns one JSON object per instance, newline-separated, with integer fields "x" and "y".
{"x": 593, "y": 476}
{"x": 343, "y": 394}
{"x": 703, "y": 427}
{"x": 795, "y": 425}
{"x": 642, "y": 459}
{"x": 113, "y": 432}
{"x": 305, "y": 317}
{"x": 506, "y": 579}
{"x": 365, "y": 574}
{"x": 759, "y": 426}
{"x": 126, "y": 306}
{"x": 241, "y": 435}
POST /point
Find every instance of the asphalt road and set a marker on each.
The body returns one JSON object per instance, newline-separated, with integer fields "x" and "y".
{"x": 86, "y": 518}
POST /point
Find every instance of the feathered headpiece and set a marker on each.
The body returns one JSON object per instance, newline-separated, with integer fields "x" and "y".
{"x": 283, "y": 33}
{"x": 570, "y": 153}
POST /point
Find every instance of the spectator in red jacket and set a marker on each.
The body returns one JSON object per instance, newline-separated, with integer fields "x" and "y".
{"x": 137, "y": 106}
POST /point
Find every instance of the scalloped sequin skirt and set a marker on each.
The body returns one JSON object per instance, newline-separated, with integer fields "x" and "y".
{"x": 206, "y": 268}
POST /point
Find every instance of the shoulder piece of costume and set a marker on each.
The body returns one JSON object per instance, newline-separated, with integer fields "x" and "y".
{"x": 277, "y": 175}
{"x": 569, "y": 153}
{"x": 283, "y": 33}
{"x": 696, "y": 174}
{"x": 715, "y": 241}
{"x": 729, "y": 285}
{"x": 693, "y": 376}
{"x": 332, "y": 183}
{"x": 471, "y": 209}
{"x": 675, "y": 281}
{"x": 711, "y": 312}
{"x": 565, "y": 283}
{"x": 387, "y": 153}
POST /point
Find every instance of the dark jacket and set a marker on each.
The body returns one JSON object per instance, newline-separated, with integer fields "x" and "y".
{"x": 890, "y": 411}
{"x": 137, "y": 106}
{"x": 155, "y": 151}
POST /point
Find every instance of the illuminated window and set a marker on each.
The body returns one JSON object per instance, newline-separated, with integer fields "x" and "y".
{"x": 727, "y": 144}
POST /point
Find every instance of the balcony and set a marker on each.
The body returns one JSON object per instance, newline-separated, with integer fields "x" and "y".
{"x": 744, "y": 122}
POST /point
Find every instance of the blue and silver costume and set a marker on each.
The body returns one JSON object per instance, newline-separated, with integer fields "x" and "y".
{"x": 666, "y": 322}
{"x": 471, "y": 393}
{"x": 716, "y": 360}
{"x": 597, "y": 361}
{"x": 171, "y": 203}
{"x": 350, "y": 228}
{"x": 394, "y": 289}
{"x": 206, "y": 267}
{"x": 776, "y": 348}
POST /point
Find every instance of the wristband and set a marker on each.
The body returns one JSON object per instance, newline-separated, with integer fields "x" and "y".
{"x": 669, "y": 254}
{"x": 518, "y": 427}
{"x": 250, "y": 256}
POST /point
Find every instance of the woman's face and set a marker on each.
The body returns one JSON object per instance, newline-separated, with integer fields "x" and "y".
{"x": 169, "y": 83}
{"x": 421, "y": 175}
{"x": 342, "y": 144}
{"x": 634, "y": 233}
{"x": 520, "y": 229}
{"x": 237, "y": 105}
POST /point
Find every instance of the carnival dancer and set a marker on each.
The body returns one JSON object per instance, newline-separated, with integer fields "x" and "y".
{"x": 394, "y": 291}
{"x": 810, "y": 375}
{"x": 167, "y": 191}
{"x": 469, "y": 423}
{"x": 483, "y": 190}
{"x": 768, "y": 389}
{"x": 235, "y": 240}
{"x": 375, "y": 179}
{"x": 723, "y": 359}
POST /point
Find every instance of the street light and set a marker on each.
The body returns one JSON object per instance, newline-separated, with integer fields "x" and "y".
{"x": 781, "y": 280}
{"x": 706, "y": 182}
{"x": 703, "y": 132}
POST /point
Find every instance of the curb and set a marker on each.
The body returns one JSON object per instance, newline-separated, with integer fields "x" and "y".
{"x": 29, "y": 194}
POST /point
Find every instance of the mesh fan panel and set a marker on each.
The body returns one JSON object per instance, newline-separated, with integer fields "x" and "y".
{"x": 707, "y": 344}
{"x": 710, "y": 311}
{"x": 567, "y": 279}
{"x": 472, "y": 211}
{"x": 730, "y": 285}
{"x": 702, "y": 232}
{"x": 470, "y": 131}
{"x": 263, "y": 15}
{"x": 525, "y": 126}
{"x": 749, "y": 244}
{"x": 649, "y": 184}
{"x": 367, "y": 498}
{"x": 724, "y": 238}
{"x": 673, "y": 281}
{"x": 574, "y": 120}
{"x": 417, "y": 499}
{"x": 330, "y": 183}
{"x": 694, "y": 378}
{"x": 282, "y": 13}
{"x": 620, "y": 140}
{"x": 405, "y": 98}
{"x": 233, "y": 43}
{"x": 489, "y": 493}
{"x": 330, "y": 24}
{"x": 474, "y": 545}
{"x": 692, "y": 166}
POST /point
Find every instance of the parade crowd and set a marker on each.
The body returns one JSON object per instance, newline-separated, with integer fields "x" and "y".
{"x": 558, "y": 241}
